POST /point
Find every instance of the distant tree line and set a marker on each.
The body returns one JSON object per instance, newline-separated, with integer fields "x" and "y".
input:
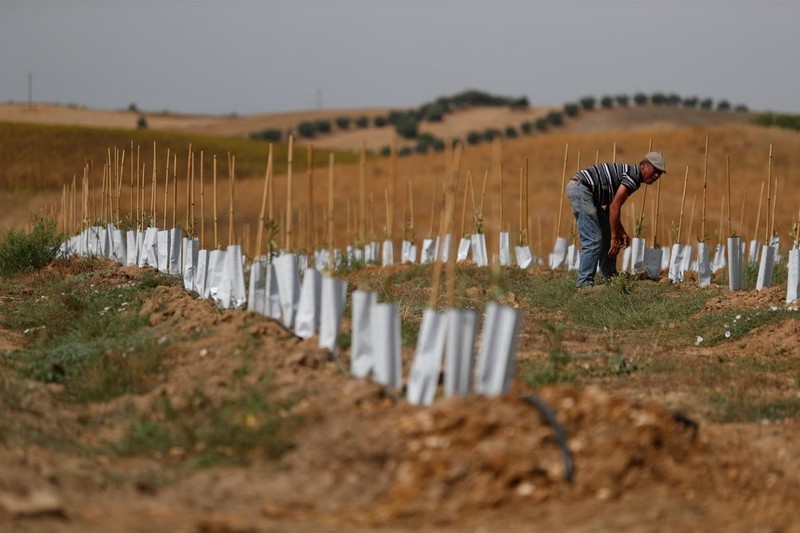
{"x": 790, "y": 122}
{"x": 407, "y": 122}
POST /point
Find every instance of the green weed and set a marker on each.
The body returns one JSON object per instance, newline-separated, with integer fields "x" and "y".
{"x": 23, "y": 252}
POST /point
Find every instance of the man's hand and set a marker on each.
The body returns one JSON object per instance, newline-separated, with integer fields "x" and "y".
{"x": 618, "y": 242}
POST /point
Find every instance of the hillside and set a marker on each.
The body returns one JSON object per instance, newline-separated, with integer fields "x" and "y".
{"x": 56, "y": 153}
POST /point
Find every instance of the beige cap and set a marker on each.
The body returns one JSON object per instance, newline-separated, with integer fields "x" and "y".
{"x": 657, "y": 160}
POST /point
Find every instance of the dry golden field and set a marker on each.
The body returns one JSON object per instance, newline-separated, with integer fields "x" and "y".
{"x": 679, "y": 134}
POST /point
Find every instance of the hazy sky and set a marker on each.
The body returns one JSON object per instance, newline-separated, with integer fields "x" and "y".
{"x": 229, "y": 56}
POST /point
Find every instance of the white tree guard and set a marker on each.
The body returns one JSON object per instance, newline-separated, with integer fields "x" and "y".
{"x": 479, "y": 253}
{"x": 652, "y": 262}
{"x": 306, "y": 321}
{"x": 704, "y": 272}
{"x": 626, "y": 259}
{"x": 423, "y": 378}
{"x": 148, "y": 256}
{"x": 459, "y": 348}
{"x": 753, "y": 252}
{"x": 637, "y": 255}
{"x": 524, "y": 256}
{"x": 427, "y": 252}
{"x": 686, "y": 266}
{"x": 719, "y": 262}
{"x": 387, "y": 253}
{"x": 361, "y": 349}
{"x": 117, "y": 250}
{"x": 735, "y": 264}
{"x": 386, "y": 345}
{"x": 497, "y": 353}
{"x": 676, "y": 263}
{"x": 442, "y": 250}
{"x": 273, "y": 296}
{"x": 463, "y": 250}
{"x": 189, "y": 253}
{"x": 201, "y": 273}
{"x": 412, "y": 253}
{"x": 558, "y": 257}
{"x": 765, "y": 268}
{"x": 214, "y": 273}
{"x": 405, "y": 247}
{"x": 793, "y": 278}
{"x": 162, "y": 251}
{"x": 573, "y": 257}
{"x": 131, "y": 248}
{"x": 505, "y": 250}
{"x": 288, "y": 286}
{"x": 334, "y": 293}
{"x": 257, "y": 289}
{"x": 175, "y": 245}
{"x": 665, "y": 251}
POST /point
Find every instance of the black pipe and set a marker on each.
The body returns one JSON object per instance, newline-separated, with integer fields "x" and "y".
{"x": 558, "y": 429}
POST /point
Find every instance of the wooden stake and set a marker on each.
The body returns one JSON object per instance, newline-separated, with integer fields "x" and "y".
{"x": 392, "y": 192}
{"x": 174, "y": 191}
{"x": 166, "y": 191}
{"x": 774, "y": 206}
{"x": 705, "y": 193}
{"x": 410, "y": 210}
{"x": 331, "y": 245}
{"x": 769, "y": 189}
{"x": 721, "y": 220}
{"x": 231, "y": 219}
{"x": 563, "y": 187}
{"x": 433, "y": 209}
{"x": 214, "y": 203}
{"x": 741, "y": 214}
{"x": 728, "y": 185}
{"x": 683, "y": 202}
{"x": 310, "y": 175}
{"x": 362, "y": 195}
{"x": 691, "y": 217}
{"x": 188, "y": 187}
{"x": 655, "y": 216}
{"x": 202, "y": 203}
{"x": 467, "y": 187}
{"x": 267, "y": 178}
{"x": 758, "y": 216}
{"x": 288, "y": 242}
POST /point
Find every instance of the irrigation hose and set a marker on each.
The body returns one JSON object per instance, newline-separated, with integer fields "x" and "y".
{"x": 558, "y": 429}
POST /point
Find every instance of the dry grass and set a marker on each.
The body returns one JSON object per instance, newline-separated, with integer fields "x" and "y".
{"x": 746, "y": 145}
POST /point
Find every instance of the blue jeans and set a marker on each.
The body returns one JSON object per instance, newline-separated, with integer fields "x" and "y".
{"x": 594, "y": 231}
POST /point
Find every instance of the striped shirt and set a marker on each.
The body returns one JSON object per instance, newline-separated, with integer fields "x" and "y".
{"x": 604, "y": 180}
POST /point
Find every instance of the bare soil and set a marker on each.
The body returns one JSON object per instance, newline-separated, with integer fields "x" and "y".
{"x": 364, "y": 459}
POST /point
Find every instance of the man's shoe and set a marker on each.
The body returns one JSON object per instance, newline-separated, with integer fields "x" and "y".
{"x": 587, "y": 289}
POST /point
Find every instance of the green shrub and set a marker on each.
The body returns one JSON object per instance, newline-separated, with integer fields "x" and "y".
{"x": 658, "y": 99}
{"x": 511, "y": 132}
{"x": 141, "y": 123}
{"x": 588, "y": 102}
{"x": 362, "y": 121}
{"x": 380, "y": 121}
{"x": 571, "y": 109}
{"x": 306, "y": 129}
{"x": 690, "y": 102}
{"x": 343, "y": 123}
{"x": 323, "y": 126}
{"x": 622, "y": 100}
{"x": 270, "y": 134}
{"x": 21, "y": 252}
{"x": 706, "y": 103}
{"x": 640, "y": 99}
{"x": 555, "y": 118}
{"x": 407, "y": 126}
{"x": 607, "y": 102}
{"x": 526, "y": 127}
{"x": 542, "y": 124}
{"x": 723, "y": 105}
{"x": 474, "y": 137}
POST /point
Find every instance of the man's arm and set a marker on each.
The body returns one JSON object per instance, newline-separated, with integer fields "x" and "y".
{"x": 619, "y": 239}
